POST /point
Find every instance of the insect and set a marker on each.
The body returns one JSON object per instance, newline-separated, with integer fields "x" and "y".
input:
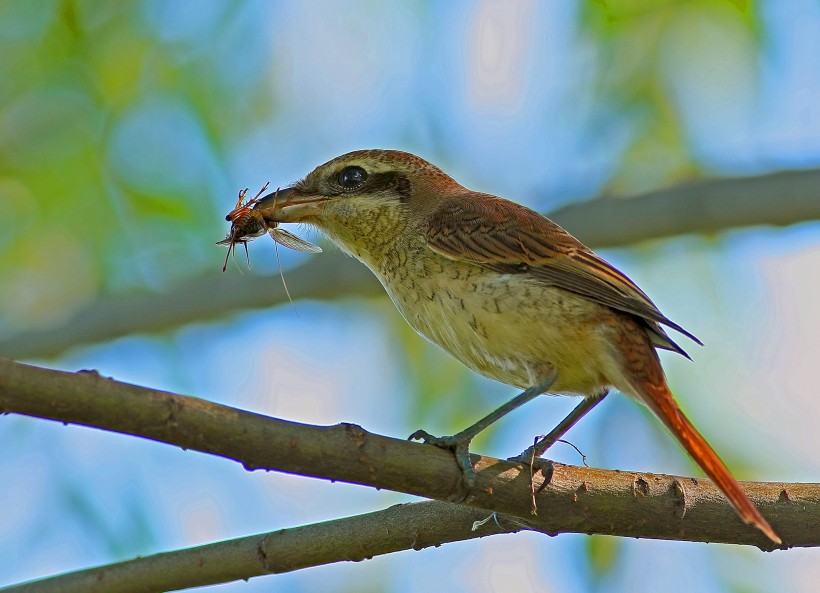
{"x": 247, "y": 224}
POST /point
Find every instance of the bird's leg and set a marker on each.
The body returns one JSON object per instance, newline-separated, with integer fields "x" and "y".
{"x": 460, "y": 442}
{"x": 578, "y": 412}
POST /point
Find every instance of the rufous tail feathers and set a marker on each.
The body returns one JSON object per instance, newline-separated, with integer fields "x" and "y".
{"x": 660, "y": 401}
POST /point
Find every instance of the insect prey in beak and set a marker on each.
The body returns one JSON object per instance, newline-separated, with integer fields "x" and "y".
{"x": 248, "y": 224}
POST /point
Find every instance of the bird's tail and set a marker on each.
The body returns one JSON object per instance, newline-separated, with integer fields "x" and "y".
{"x": 659, "y": 399}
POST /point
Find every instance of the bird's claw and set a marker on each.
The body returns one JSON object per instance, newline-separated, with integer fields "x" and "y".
{"x": 448, "y": 442}
{"x": 460, "y": 446}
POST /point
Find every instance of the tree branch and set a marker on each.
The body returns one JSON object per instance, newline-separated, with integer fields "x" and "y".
{"x": 699, "y": 207}
{"x": 571, "y": 499}
{"x": 704, "y": 206}
{"x": 212, "y": 295}
{"x": 401, "y": 527}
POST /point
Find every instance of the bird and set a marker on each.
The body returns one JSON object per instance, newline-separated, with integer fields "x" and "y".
{"x": 505, "y": 290}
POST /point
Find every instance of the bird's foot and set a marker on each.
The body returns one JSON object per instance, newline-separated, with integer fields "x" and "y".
{"x": 460, "y": 446}
{"x": 540, "y": 445}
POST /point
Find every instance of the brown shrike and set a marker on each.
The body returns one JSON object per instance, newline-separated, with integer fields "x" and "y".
{"x": 503, "y": 289}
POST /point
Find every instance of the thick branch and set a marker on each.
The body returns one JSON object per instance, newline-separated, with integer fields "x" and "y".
{"x": 401, "y": 527}
{"x": 699, "y": 207}
{"x": 573, "y": 499}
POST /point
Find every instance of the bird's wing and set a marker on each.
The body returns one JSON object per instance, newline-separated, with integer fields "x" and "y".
{"x": 511, "y": 239}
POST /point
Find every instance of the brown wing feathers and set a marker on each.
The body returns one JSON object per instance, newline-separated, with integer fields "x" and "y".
{"x": 510, "y": 238}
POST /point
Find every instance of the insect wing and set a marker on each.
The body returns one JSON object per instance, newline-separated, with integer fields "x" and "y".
{"x": 286, "y": 239}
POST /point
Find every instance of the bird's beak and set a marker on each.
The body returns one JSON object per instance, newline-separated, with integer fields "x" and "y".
{"x": 289, "y": 205}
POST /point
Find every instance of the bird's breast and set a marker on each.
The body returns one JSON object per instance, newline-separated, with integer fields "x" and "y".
{"x": 504, "y": 326}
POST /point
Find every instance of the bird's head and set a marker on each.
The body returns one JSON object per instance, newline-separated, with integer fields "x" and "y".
{"x": 362, "y": 199}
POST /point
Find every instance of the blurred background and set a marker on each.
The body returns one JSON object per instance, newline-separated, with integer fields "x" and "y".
{"x": 127, "y": 129}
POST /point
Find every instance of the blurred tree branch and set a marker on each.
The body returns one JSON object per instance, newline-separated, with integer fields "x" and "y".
{"x": 778, "y": 199}
{"x": 570, "y": 499}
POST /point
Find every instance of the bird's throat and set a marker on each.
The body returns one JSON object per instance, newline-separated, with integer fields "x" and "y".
{"x": 382, "y": 238}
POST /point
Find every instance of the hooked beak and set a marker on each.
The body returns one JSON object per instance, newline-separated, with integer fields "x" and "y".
{"x": 289, "y": 205}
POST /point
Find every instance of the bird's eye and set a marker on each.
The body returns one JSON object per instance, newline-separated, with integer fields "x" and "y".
{"x": 352, "y": 177}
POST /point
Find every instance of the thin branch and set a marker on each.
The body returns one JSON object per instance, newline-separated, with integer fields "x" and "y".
{"x": 571, "y": 499}
{"x": 412, "y": 526}
{"x": 699, "y": 207}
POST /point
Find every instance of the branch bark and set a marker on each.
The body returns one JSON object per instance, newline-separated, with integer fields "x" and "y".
{"x": 570, "y": 499}
{"x": 401, "y": 527}
{"x": 778, "y": 199}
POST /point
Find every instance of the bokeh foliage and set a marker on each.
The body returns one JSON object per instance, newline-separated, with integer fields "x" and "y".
{"x": 114, "y": 135}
